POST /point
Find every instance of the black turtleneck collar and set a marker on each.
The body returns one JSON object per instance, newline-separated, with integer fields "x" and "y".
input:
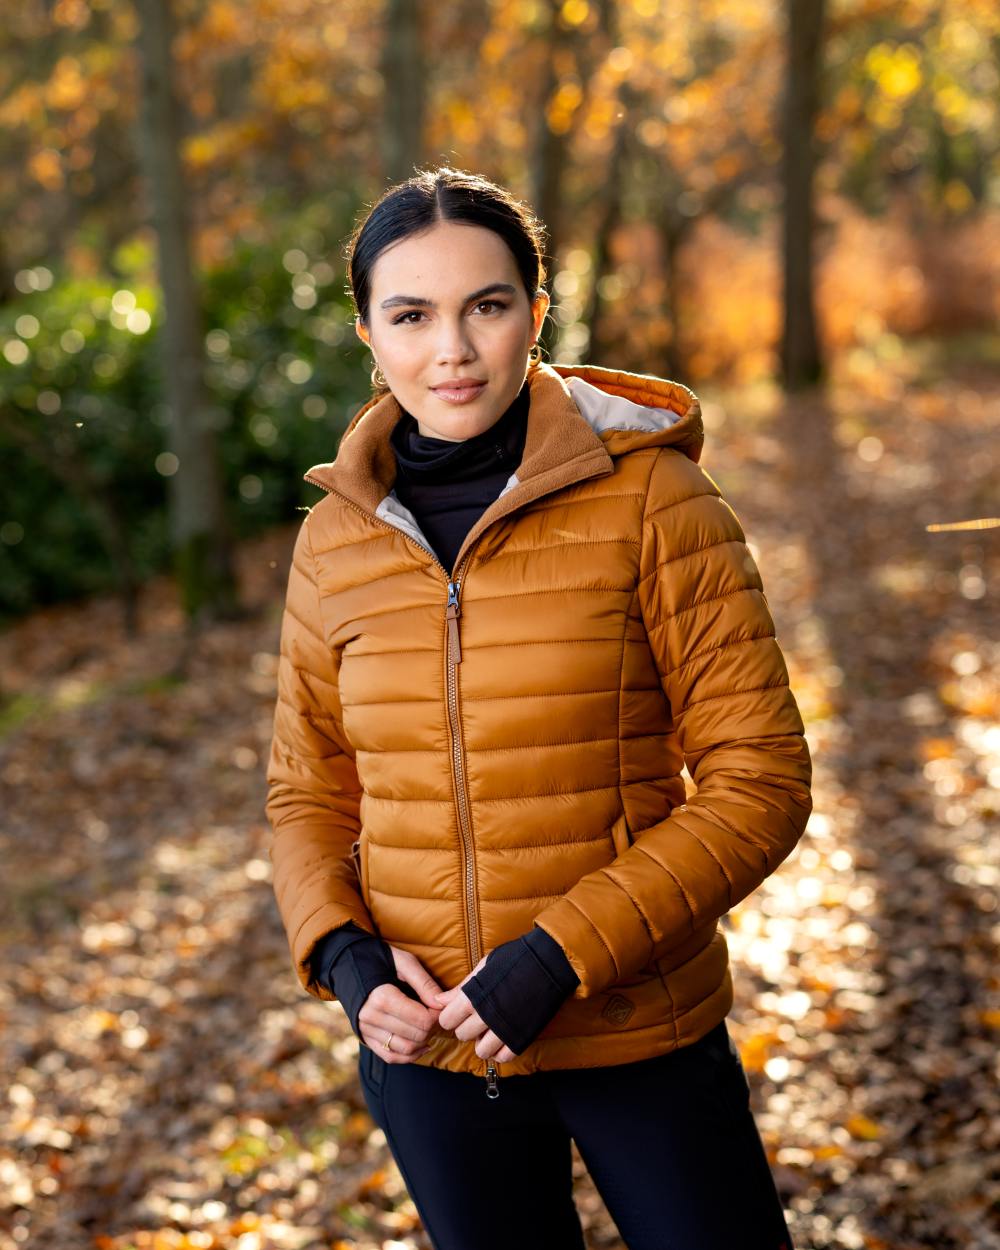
{"x": 426, "y": 460}
{"x": 449, "y": 485}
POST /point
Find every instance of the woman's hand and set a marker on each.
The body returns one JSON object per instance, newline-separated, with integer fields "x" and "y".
{"x": 459, "y": 1016}
{"x": 387, "y": 1010}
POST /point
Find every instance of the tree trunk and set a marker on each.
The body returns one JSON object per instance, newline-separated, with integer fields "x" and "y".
{"x": 549, "y": 155}
{"x": 198, "y": 528}
{"x": 8, "y": 292}
{"x": 609, "y": 216}
{"x": 609, "y": 197}
{"x": 801, "y": 362}
{"x": 673, "y": 229}
{"x": 404, "y": 78}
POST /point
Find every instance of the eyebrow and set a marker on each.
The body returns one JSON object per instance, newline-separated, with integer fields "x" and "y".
{"x": 504, "y": 288}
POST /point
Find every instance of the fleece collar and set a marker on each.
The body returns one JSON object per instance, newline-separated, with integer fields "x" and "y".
{"x": 580, "y": 417}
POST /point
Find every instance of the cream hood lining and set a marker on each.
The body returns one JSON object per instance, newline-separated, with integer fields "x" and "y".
{"x": 614, "y": 412}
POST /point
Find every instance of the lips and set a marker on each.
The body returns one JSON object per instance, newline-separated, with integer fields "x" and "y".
{"x": 459, "y": 391}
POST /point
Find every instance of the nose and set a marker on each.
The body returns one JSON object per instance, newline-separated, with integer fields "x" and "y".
{"x": 453, "y": 342}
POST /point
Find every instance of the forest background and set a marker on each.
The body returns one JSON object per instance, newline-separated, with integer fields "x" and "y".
{"x": 792, "y": 208}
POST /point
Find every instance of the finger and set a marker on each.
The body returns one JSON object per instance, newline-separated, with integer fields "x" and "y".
{"x": 447, "y": 995}
{"x": 374, "y": 1015}
{"x": 412, "y": 972}
{"x": 457, "y": 1011}
{"x": 377, "y": 1027}
{"x": 471, "y": 1027}
{"x": 394, "y": 1058}
{"x": 447, "y": 1001}
{"x": 393, "y": 1055}
{"x": 391, "y": 999}
{"x": 399, "y": 1050}
{"x": 489, "y": 1046}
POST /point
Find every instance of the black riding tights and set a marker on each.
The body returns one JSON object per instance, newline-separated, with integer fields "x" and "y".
{"x": 670, "y": 1143}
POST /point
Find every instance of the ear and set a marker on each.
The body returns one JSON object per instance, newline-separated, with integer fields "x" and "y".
{"x": 539, "y": 309}
{"x": 361, "y": 332}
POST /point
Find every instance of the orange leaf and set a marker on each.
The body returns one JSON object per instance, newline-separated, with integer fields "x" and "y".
{"x": 373, "y": 1183}
{"x": 937, "y": 748}
{"x": 756, "y": 1050}
{"x": 861, "y": 1126}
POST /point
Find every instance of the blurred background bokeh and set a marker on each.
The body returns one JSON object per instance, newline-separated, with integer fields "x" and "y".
{"x": 792, "y": 208}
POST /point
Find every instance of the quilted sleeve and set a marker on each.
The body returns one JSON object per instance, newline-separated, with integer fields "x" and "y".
{"x": 314, "y": 794}
{"x": 739, "y": 728}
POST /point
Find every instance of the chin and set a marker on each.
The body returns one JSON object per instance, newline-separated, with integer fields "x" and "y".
{"x": 456, "y": 430}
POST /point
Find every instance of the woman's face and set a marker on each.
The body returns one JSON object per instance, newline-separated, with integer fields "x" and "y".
{"x": 449, "y": 304}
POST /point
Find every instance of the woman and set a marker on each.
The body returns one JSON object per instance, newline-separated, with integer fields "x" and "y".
{"x": 519, "y": 610}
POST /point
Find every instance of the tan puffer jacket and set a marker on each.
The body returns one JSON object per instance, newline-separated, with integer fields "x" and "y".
{"x": 501, "y": 744}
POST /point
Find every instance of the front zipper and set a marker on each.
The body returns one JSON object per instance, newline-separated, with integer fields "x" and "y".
{"x": 452, "y": 613}
{"x": 453, "y": 610}
{"x": 454, "y": 658}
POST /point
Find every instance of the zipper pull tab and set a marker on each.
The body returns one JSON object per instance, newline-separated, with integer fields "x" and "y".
{"x": 452, "y": 613}
{"x": 492, "y": 1089}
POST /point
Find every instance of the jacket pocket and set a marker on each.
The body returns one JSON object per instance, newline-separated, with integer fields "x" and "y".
{"x": 358, "y": 849}
{"x": 620, "y": 836}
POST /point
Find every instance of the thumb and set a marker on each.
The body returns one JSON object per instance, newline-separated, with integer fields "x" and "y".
{"x": 447, "y": 995}
{"x": 423, "y": 983}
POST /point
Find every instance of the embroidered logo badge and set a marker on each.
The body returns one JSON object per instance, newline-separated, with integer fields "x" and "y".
{"x": 618, "y": 1009}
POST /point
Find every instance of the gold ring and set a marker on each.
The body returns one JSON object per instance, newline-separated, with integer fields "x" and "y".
{"x": 388, "y": 1041}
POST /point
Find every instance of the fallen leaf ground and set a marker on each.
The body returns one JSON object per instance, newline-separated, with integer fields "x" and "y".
{"x": 169, "y": 1085}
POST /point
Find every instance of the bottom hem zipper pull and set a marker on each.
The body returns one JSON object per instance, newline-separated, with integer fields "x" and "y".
{"x": 492, "y": 1089}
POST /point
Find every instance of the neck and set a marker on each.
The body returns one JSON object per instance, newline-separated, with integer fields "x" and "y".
{"x": 432, "y": 458}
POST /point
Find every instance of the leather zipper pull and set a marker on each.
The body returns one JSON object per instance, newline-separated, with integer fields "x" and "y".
{"x": 492, "y": 1088}
{"x": 452, "y": 613}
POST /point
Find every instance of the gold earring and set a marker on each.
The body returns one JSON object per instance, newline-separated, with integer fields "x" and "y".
{"x": 535, "y": 355}
{"x": 379, "y": 379}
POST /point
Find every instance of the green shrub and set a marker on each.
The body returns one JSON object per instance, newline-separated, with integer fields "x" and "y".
{"x": 83, "y": 418}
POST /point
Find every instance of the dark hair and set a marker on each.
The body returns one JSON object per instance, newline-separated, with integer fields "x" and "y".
{"x": 444, "y": 194}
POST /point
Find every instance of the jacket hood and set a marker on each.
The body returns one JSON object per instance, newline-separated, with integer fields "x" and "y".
{"x": 628, "y": 411}
{"x": 579, "y": 418}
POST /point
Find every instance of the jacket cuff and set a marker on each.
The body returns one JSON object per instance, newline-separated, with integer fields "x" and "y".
{"x": 350, "y": 963}
{"x": 517, "y": 993}
{"x": 551, "y": 955}
{"x": 328, "y": 950}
